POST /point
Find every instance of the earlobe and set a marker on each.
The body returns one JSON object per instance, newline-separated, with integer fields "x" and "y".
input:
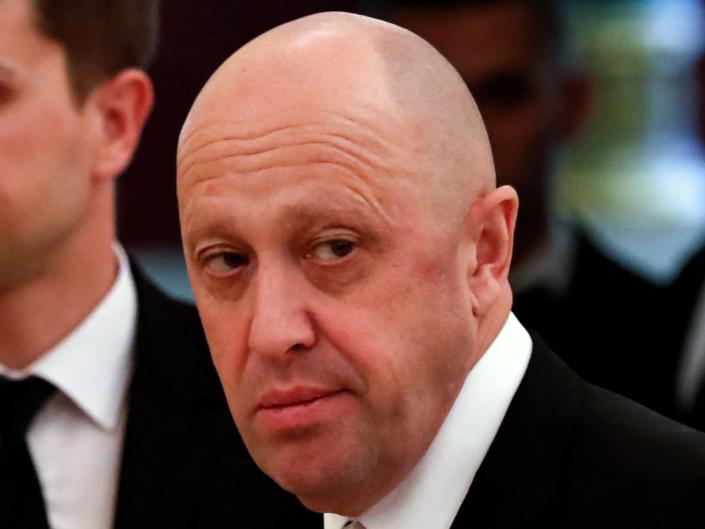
{"x": 493, "y": 217}
{"x": 123, "y": 104}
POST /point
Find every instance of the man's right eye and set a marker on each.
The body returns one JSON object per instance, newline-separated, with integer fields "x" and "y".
{"x": 223, "y": 263}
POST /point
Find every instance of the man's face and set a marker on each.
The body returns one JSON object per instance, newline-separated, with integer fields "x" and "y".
{"x": 334, "y": 300}
{"x": 44, "y": 154}
{"x": 501, "y": 54}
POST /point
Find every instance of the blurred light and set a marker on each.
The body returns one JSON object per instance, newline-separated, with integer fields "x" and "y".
{"x": 675, "y": 25}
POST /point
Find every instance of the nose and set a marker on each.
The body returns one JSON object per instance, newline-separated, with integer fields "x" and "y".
{"x": 281, "y": 322}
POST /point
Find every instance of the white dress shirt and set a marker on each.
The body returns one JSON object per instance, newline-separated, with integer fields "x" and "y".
{"x": 431, "y": 495}
{"x": 76, "y": 438}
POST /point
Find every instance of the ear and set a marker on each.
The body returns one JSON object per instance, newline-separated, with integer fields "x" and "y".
{"x": 492, "y": 219}
{"x": 576, "y": 104}
{"x": 122, "y": 105}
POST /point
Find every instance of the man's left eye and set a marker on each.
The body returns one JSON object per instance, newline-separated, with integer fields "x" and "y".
{"x": 333, "y": 249}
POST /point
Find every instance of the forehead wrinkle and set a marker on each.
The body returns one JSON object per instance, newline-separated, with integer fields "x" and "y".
{"x": 325, "y": 173}
{"x": 355, "y": 183}
{"x": 261, "y": 126}
{"x": 311, "y": 213}
{"x": 363, "y": 141}
{"x": 307, "y": 154}
{"x": 251, "y": 156}
{"x": 238, "y": 151}
{"x": 250, "y": 146}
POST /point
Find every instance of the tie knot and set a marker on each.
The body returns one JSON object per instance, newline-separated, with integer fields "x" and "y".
{"x": 19, "y": 402}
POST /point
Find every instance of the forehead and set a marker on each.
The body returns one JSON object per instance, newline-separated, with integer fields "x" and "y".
{"x": 283, "y": 136}
{"x": 361, "y": 140}
{"x": 481, "y": 38}
{"x": 22, "y": 46}
{"x": 17, "y": 23}
{"x": 303, "y": 163}
{"x": 265, "y": 207}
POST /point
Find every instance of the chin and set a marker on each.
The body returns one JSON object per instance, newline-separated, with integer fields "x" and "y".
{"x": 299, "y": 476}
{"x": 323, "y": 480}
{"x": 310, "y": 492}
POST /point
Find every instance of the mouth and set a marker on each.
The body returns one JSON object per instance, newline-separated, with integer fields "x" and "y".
{"x": 300, "y": 396}
{"x": 298, "y": 408}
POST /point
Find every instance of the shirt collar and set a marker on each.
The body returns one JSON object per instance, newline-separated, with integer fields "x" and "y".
{"x": 93, "y": 364}
{"x": 430, "y": 496}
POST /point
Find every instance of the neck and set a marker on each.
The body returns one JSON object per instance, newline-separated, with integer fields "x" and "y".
{"x": 72, "y": 279}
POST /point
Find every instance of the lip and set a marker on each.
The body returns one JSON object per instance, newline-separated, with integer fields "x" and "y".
{"x": 297, "y": 396}
{"x": 298, "y": 408}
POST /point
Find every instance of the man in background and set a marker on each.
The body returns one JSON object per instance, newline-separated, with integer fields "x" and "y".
{"x": 687, "y": 307}
{"x": 349, "y": 252}
{"x": 110, "y": 412}
{"x": 515, "y": 58}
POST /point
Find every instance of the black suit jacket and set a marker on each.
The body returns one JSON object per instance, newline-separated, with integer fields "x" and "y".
{"x": 183, "y": 463}
{"x": 571, "y": 455}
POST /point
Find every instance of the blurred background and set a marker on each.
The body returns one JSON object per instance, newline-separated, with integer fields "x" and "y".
{"x": 635, "y": 177}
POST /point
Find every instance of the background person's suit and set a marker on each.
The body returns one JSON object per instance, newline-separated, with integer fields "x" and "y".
{"x": 607, "y": 325}
{"x": 681, "y": 314}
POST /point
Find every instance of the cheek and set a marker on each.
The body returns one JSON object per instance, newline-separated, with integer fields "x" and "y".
{"x": 226, "y": 335}
{"x": 435, "y": 330}
{"x": 34, "y": 126}
{"x": 398, "y": 334}
{"x": 49, "y": 160}
{"x": 45, "y": 184}
{"x": 21, "y": 149}
{"x": 229, "y": 353}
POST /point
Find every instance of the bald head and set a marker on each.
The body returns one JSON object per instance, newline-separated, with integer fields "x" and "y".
{"x": 343, "y": 66}
{"x": 347, "y": 249}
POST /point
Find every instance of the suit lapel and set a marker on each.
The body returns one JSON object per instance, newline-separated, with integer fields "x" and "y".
{"x": 174, "y": 399}
{"x": 521, "y": 478}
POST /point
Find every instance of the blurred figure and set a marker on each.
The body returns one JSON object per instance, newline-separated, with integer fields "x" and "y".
{"x": 688, "y": 309}
{"x": 513, "y": 56}
{"x": 111, "y": 415}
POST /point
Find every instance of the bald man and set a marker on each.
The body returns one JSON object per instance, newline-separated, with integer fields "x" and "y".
{"x": 349, "y": 253}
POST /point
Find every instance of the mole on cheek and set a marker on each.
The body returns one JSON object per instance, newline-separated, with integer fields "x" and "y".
{"x": 434, "y": 270}
{"x": 441, "y": 271}
{"x": 430, "y": 266}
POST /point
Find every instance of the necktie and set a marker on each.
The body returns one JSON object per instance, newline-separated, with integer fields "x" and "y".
{"x": 21, "y": 500}
{"x": 354, "y": 525}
